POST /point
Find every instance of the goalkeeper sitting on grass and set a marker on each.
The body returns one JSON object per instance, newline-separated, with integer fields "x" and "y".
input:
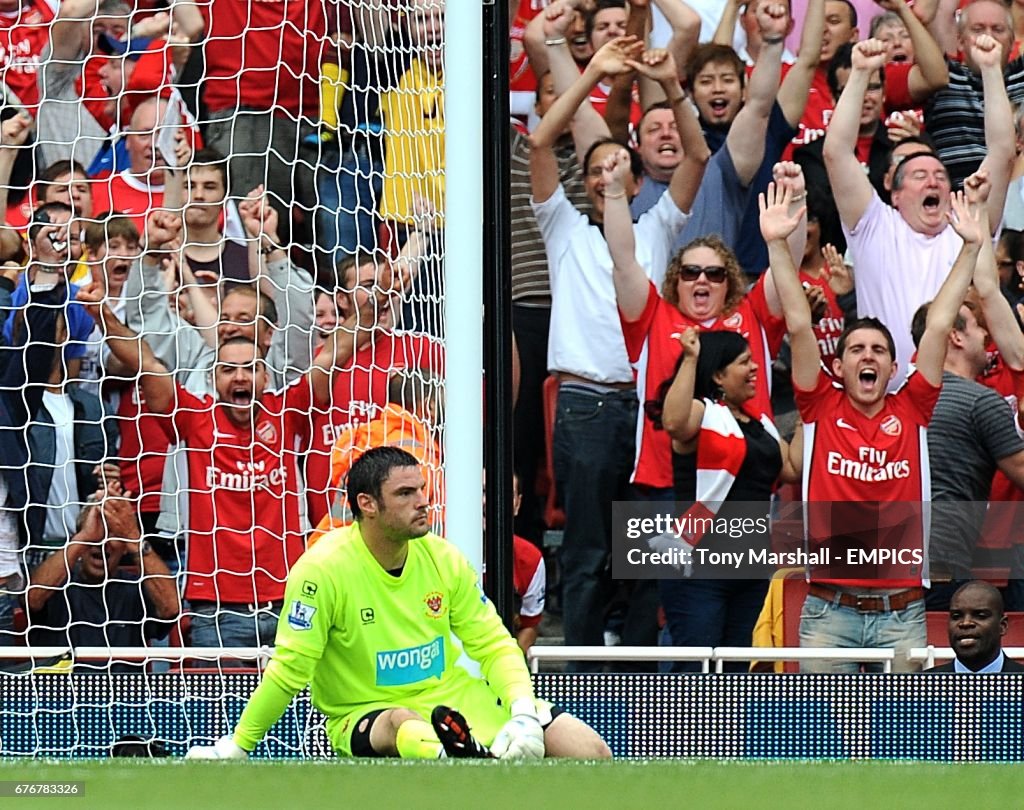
{"x": 370, "y": 615}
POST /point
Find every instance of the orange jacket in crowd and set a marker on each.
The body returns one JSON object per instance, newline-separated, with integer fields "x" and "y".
{"x": 395, "y": 427}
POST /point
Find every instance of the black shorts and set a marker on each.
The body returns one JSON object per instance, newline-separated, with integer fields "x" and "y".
{"x": 361, "y": 733}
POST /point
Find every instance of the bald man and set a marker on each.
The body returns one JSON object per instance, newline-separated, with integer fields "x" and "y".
{"x": 977, "y": 625}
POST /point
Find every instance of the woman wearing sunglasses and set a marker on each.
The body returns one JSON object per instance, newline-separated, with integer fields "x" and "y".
{"x": 721, "y": 457}
{"x": 705, "y": 288}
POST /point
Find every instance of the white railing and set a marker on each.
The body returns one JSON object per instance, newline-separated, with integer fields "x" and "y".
{"x": 545, "y": 653}
{"x": 884, "y": 655}
{"x": 707, "y": 655}
{"x": 261, "y": 655}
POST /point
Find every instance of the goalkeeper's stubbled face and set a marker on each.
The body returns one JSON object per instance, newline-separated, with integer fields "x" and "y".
{"x": 404, "y": 508}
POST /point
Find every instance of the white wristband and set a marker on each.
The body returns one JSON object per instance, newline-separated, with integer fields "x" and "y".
{"x": 524, "y": 706}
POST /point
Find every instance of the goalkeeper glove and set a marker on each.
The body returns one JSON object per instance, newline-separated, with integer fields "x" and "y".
{"x": 521, "y": 737}
{"x": 224, "y": 748}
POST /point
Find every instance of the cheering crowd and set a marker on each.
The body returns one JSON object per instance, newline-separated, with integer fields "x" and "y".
{"x": 759, "y": 251}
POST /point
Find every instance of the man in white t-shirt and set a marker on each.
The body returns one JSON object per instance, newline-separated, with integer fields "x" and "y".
{"x": 902, "y": 253}
{"x": 593, "y": 442}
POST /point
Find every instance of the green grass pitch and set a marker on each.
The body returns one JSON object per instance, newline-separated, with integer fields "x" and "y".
{"x": 622, "y": 785}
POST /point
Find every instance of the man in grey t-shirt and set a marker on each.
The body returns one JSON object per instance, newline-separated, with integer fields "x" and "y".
{"x": 972, "y": 434}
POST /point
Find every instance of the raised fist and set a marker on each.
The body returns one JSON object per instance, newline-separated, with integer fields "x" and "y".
{"x": 772, "y": 21}
{"x": 986, "y": 51}
{"x": 869, "y": 55}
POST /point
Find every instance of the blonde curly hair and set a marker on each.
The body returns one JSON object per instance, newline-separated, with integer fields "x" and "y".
{"x": 734, "y": 278}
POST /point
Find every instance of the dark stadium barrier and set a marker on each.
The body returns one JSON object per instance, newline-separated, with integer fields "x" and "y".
{"x": 949, "y": 718}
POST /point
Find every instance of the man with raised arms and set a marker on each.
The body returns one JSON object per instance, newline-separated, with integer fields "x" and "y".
{"x": 865, "y": 451}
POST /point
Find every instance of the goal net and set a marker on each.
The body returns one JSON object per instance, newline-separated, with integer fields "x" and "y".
{"x": 229, "y": 197}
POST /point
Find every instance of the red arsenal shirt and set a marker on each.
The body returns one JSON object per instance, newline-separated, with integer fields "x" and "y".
{"x": 816, "y": 114}
{"x": 128, "y": 195}
{"x": 654, "y": 352}
{"x": 521, "y": 76}
{"x": 830, "y": 327}
{"x": 144, "y": 448}
{"x": 244, "y": 528}
{"x": 1000, "y": 529}
{"x": 24, "y": 35}
{"x": 599, "y": 101}
{"x": 852, "y": 461}
{"x": 360, "y": 393}
{"x": 528, "y": 581}
{"x": 276, "y": 62}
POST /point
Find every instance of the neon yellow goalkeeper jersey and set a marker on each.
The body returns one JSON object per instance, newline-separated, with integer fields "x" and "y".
{"x": 373, "y": 637}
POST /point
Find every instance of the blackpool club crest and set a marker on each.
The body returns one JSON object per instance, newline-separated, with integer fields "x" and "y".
{"x": 435, "y": 605}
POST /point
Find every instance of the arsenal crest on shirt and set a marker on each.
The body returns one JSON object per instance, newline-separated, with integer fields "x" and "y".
{"x": 891, "y": 425}
{"x": 267, "y": 432}
{"x": 734, "y": 322}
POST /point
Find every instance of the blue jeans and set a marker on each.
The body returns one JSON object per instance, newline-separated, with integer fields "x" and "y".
{"x": 530, "y": 325}
{"x": 826, "y": 624}
{"x": 636, "y": 614}
{"x": 711, "y": 613}
{"x": 348, "y": 190}
{"x": 8, "y": 603}
{"x": 593, "y": 447}
{"x": 233, "y": 626}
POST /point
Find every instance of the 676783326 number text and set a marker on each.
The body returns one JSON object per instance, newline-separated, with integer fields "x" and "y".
{"x": 8, "y": 788}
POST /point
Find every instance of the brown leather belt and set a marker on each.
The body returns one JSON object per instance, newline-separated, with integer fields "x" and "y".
{"x": 868, "y": 604}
